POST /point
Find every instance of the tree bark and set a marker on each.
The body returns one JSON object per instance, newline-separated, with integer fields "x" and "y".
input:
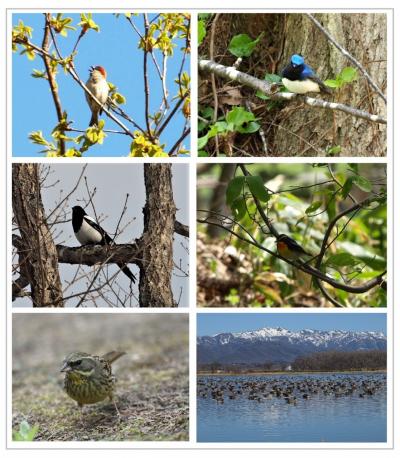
{"x": 156, "y": 263}
{"x": 217, "y": 202}
{"x": 37, "y": 252}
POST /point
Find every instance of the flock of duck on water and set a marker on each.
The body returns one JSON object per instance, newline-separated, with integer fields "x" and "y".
{"x": 287, "y": 389}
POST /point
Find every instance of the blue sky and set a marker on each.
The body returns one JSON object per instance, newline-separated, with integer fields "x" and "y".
{"x": 215, "y": 323}
{"x": 114, "y": 48}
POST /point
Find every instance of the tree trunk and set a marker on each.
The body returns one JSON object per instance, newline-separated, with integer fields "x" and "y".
{"x": 157, "y": 240}
{"x": 37, "y": 252}
{"x": 364, "y": 37}
{"x": 217, "y": 202}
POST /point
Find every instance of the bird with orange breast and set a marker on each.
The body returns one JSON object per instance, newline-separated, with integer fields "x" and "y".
{"x": 290, "y": 249}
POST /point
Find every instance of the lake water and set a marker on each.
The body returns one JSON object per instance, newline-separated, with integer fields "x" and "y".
{"x": 342, "y": 407}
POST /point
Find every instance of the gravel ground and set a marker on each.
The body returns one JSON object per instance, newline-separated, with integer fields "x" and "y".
{"x": 152, "y": 391}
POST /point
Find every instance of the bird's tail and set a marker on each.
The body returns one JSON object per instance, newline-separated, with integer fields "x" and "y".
{"x": 111, "y": 356}
{"x": 127, "y": 272}
{"x": 94, "y": 119}
{"x": 326, "y": 89}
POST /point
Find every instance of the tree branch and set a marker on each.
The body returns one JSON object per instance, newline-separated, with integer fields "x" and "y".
{"x": 89, "y": 255}
{"x": 51, "y": 78}
{"x": 75, "y": 76}
{"x": 185, "y": 133}
{"x": 348, "y": 55}
{"x": 230, "y": 73}
{"x": 377, "y": 281}
{"x": 181, "y": 229}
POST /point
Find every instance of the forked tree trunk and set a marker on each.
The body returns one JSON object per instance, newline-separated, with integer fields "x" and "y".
{"x": 159, "y": 220}
{"x": 37, "y": 252}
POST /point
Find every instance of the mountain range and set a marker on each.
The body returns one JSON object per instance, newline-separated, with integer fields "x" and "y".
{"x": 282, "y": 345}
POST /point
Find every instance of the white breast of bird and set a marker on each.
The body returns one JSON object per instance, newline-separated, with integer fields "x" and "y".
{"x": 300, "y": 87}
{"x": 88, "y": 234}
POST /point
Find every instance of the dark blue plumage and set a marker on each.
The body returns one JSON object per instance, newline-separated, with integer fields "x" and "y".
{"x": 300, "y": 78}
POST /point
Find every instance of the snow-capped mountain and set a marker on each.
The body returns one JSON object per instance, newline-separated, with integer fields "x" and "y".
{"x": 282, "y": 345}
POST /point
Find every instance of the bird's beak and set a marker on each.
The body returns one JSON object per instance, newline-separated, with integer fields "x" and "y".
{"x": 65, "y": 368}
{"x": 91, "y": 68}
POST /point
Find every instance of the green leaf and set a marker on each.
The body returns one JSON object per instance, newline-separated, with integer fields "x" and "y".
{"x": 202, "y": 153}
{"x": 348, "y": 74}
{"x": 38, "y": 74}
{"x": 119, "y": 98}
{"x": 201, "y": 31}
{"x": 362, "y": 183}
{"x": 273, "y": 78}
{"x": 257, "y": 188}
{"x": 238, "y": 116}
{"x": 354, "y": 167}
{"x": 239, "y": 208}
{"x": 242, "y": 45}
{"x": 233, "y": 298}
{"x": 334, "y": 150}
{"x": 202, "y": 142}
{"x": 207, "y": 112}
{"x": 374, "y": 262}
{"x": 248, "y": 128}
{"x": 26, "y": 432}
{"x": 218, "y": 128}
{"x": 313, "y": 207}
{"x": 234, "y": 189}
{"x": 341, "y": 260}
{"x": 332, "y": 83}
{"x": 348, "y": 184}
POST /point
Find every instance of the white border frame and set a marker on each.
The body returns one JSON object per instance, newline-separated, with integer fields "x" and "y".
{"x": 192, "y": 444}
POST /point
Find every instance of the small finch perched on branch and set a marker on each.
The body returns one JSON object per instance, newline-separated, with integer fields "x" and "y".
{"x": 97, "y": 85}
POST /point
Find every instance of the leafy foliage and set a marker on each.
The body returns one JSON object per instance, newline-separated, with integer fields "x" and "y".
{"x": 242, "y": 45}
{"x": 346, "y": 76}
{"x": 158, "y": 40}
{"x": 301, "y": 201}
{"x": 237, "y": 120}
{"x": 25, "y": 432}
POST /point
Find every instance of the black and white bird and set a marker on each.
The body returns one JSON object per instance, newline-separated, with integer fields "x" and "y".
{"x": 89, "y": 232}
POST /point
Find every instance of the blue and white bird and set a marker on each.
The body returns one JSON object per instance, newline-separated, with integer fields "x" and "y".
{"x": 299, "y": 78}
{"x": 89, "y": 232}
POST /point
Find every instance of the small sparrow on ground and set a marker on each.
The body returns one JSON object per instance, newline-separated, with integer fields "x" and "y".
{"x": 88, "y": 378}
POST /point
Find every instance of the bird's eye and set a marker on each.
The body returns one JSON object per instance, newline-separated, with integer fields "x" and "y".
{"x": 75, "y": 363}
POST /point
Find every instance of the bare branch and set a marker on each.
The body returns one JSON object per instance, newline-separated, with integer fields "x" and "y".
{"x": 269, "y": 89}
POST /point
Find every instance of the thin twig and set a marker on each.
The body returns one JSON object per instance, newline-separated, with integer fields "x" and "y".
{"x": 185, "y": 133}
{"x": 146, "y": 77}
{"x": 348, "y": 55}
{"x": 51, "y": 78}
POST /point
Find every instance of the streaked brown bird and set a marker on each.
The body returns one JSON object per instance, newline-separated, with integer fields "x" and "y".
{"x": 89, "y": 378}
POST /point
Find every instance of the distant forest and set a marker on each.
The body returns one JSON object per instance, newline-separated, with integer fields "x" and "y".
{"x": 321, "y": 361}
{"x": 342, "y": 360}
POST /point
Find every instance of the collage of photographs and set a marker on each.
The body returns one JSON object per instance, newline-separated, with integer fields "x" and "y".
{"x": 200, "y": 229}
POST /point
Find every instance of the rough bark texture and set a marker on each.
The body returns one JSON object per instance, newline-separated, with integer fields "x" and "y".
{"x": 218, "y": 197}
{"x": 364, "y": 37}
{"x": 159, "y": 220}
{"x": 37, "y": 252}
